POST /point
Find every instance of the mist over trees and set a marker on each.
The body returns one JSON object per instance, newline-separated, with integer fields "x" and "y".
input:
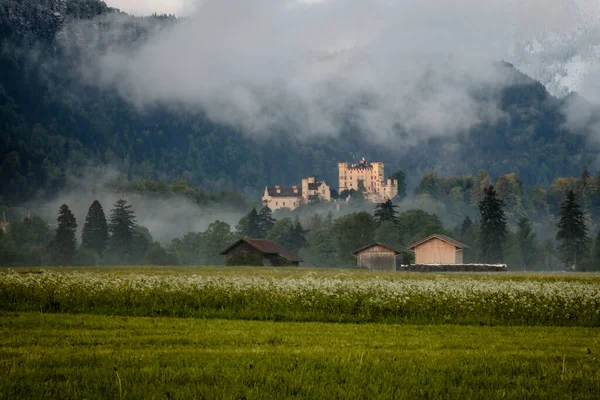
{"x": 325, "y": 234}
{"x": 54, "y": 123}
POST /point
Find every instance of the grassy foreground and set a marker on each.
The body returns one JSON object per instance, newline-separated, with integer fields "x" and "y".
{"x": 81, "y": 356}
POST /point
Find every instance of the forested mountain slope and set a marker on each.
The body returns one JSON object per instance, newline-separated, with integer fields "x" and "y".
{"x": 53, "y": 124}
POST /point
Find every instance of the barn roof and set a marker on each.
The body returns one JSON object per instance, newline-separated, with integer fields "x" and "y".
{"x": 444, "y": 238}
{"x": 266, "y": 247}
{"x": 387, "y": 246}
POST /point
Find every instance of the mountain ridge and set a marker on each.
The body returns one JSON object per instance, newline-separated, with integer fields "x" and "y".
{"x": 54, "y": 125}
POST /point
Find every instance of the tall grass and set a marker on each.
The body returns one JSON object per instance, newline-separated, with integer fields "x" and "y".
{"x": 464, "y": 300}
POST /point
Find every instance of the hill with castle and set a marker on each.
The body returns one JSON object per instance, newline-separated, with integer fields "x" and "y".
{"x": 55, "y": 125}
{"x": 366, "y": 178}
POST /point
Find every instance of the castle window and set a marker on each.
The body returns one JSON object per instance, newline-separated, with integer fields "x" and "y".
{"x": 284, "y": 203}
{"x": 276, "y": 203}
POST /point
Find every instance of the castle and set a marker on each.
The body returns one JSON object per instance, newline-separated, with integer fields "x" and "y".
{"x": 364, "y": 175}
{"x": 370, "y": 178}
{"x": 277, "y": 197}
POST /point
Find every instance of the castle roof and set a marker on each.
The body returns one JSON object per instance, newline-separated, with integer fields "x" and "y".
{"x": 284, "y": 192}
{"x": 361, "y": 166}
{"x": 314, "y": 186}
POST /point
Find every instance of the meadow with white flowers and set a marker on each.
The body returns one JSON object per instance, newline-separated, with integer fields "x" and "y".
{"x": 308, "y": 296}
{"x": 264, "y": 333}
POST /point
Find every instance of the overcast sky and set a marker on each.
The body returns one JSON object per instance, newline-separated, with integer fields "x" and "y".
{"x": 143, "y": 7}
{"x": 177, "y": 7}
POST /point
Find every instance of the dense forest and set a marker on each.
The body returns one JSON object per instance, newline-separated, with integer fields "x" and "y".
{"x": 53, "y": 124}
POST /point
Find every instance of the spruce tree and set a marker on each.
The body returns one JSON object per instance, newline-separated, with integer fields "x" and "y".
{"x": 386, "y": 212}
{"x": 95, "y": 230}
{"x": 63, "y": 246}
{"x": 122, "y": 228}
{"x": 572, "y": 231}
{"x": 595, "y": 261}
{"x": 400, "y": 176}
{"x": 297, "y": 239}
{"x": 249, "y": 226}
{"x": 466, "y": 225}
{"x": 493, "y": 226}
{"x": 265, "y": 221}
{"x": 526, "y": 241}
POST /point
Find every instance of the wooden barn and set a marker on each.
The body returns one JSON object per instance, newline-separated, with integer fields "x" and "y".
{"x": 438, "y": 249}
{"x": 259, "y": 252}
{"x": 377, "y": 256}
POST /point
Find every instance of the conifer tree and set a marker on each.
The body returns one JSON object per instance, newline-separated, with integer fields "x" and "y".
{"x": 466, "y": 225}
{"x": 249, "y": 226}
{"x": 265, "y": 221}
{"x": 526, "y": 241}
{"x": 572, "y": 231}
{"x": 63, "y": 246}
{"x": 122, "y": 228}
{"x": 297, "y": 238}
{"x": 95, "y": 230}
{"x": 386, "y": 212}
{"x": 493, "y": 226}
{"x": 595, "y": 261}
{"x": 400, "y": 176}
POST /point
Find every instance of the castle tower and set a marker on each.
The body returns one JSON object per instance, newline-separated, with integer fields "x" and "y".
{"x": 305, "y": 183}
{"x": 371, "y": 176}
{"x": 342, "y": 176}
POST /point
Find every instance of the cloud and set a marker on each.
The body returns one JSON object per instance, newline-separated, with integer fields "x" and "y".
{"x": 393, "y": 69}
{"x": 166, "y": 217}
{"x": 148, "y": 7}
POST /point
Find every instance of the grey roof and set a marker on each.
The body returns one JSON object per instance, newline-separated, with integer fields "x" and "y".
{"x": 284, "y": 192}
{"x": 387, "y": 246}
{"x": 266, "y": 247}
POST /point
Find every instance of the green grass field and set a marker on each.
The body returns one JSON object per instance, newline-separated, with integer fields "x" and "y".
{"x": 83, "y": 356}
{"x": 159, "y": 333}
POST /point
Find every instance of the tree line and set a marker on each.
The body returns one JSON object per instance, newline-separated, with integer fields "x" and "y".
{"x": 320, "y": 238}
{"x": 116, "y": 241}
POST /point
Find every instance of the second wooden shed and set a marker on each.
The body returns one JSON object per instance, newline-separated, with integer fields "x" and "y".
{"x": 377, "y": 256}
{"x": 438, "y": 249}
